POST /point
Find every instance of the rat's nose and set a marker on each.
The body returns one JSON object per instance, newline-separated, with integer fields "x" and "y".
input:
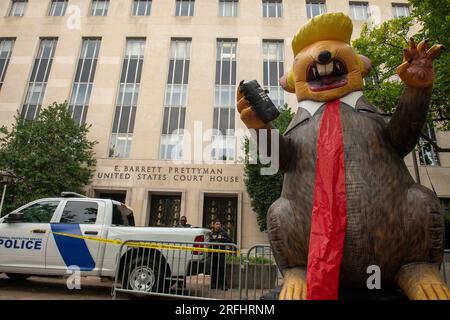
{"x": 324, "y": 57}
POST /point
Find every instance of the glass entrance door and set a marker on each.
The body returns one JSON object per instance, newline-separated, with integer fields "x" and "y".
{"x": 165, "y": 210}
{"x": 224, "y": 208}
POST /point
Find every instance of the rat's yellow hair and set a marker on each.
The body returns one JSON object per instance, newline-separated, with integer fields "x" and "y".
{"x": 327, "y": 26}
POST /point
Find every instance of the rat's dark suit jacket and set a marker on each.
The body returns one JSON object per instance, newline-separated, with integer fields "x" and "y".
{"x": 391, "y": 221}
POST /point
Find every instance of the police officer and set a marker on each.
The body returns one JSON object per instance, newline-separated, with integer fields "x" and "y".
{"x": 218, "y": 261}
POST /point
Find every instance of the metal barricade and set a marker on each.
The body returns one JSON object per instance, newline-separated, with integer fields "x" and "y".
{"x": 262, "y": 275}
{"x": 202, "y": 270}
{"x": 187, "y": 270}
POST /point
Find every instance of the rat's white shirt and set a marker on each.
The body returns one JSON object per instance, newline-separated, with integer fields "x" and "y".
{"x": 312, "y": 106}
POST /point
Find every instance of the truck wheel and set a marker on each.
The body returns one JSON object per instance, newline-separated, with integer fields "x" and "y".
{"x": 18, "y": 276}
{"x": 144, "y": 276}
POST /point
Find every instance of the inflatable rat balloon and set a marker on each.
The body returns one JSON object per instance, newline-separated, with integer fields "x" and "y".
{"x": 348, "y": 200}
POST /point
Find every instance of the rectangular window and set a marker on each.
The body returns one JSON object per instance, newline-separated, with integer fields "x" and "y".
{"x": 58, "y": 8}
{"x": 127, "y": 97}
{"x": 99, "y": 7}
{"x": 428, "y": 156}
{"x": 84, "y": 78}
{"x": 223, "y": 146}
{"x": 41, "y": 212}
{"x": 272, "y": 8}
{"x": 315, "y": 8}
{"x": 38, "y": 79}
{"x": 17, "y": 8}
{"x": 359, "y": 10}
{"x": 122, "y": 216}
{"x": 401, "y": 10}
{"x": 184, "y": 7}
{"x": 142, "y": 7}
{"x": 6, "y": 46}
{"x": 273, "y": 69}
{"x": 175, "y": 100}
{"x": 228, "y": 8}
{"x": 80, "y": 212}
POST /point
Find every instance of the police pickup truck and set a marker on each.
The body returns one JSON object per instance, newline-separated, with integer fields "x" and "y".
{"x": 50, "y": 236}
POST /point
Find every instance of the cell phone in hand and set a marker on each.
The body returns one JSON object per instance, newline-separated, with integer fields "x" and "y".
{"x": 259, "y": 100}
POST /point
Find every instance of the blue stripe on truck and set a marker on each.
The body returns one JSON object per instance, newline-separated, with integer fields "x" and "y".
{"x": 74, "y": 251}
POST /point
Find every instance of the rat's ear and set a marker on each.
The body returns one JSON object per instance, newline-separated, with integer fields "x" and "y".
{"x": 287, "y": 82}
{"x": 365, "y": 65}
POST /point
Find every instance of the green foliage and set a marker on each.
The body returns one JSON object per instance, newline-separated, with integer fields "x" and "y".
{"x": 434, "y": 16}
{"x": 265, "y": 189}
{"x": 258, "y": 260}
{"x": 46, "y": 156}
{"x": 384, "y": 45}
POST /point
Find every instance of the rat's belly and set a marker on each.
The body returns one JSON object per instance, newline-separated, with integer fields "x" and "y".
{"x": 373, "y": 209}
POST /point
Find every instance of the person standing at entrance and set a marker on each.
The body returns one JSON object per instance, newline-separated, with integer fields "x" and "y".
{"x": 183, "y": 223}
{"x": 218, "y": 260}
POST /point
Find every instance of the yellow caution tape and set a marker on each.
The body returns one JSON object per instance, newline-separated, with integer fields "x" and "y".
{"x": 145, "y": 244}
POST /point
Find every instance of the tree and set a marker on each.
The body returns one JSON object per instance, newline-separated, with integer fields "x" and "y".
{"x": 434, "y": 17}
{"x": 46, "y": 156}
{"x": 264, "y": 189}
{"x": 384, "y": 45}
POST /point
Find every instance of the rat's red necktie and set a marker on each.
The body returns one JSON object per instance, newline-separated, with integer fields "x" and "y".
{"x": 329, "y": 214}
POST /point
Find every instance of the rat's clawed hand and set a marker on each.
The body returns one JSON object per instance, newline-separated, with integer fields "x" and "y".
{"x": 417, "y": 67}
{"x": 248, "y": 115}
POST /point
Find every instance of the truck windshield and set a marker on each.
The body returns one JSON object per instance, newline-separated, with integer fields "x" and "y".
{"x": 122, "y": 216}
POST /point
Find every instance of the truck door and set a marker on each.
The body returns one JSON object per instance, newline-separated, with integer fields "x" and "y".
{"x": 23, "y": 243}
{"x": 67, "y": 249}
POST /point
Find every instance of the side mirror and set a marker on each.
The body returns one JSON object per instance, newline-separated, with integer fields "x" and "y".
{"x": 14, "y": 217}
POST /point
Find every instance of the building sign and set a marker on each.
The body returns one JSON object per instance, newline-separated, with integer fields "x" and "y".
{"x": 166, "y": 174}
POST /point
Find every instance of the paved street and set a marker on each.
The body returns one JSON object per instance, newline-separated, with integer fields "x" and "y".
{"x": 46, "y": 288}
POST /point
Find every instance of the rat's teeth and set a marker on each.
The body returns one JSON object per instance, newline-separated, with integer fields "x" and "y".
{"x": 315, "y": 72}
{"x": 326, "y": 69}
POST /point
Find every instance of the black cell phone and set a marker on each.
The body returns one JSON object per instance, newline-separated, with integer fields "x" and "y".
{"x": 259, "y": 100}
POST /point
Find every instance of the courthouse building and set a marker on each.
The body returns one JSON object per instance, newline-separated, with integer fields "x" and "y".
{"x": 157, "y": 80}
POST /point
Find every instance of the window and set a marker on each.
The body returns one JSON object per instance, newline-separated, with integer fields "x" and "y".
{"x": 401, "y": 10}
{"x": 272, "y": 8}
{"x": 127, "y": 97}
{"x": 184, "y": 7}
{"x": 273, "y": 69}
{"x": 41, "y": 212}
{"x": 359, "y": 10}
{"x": 223, "y": 145}
{"x": 228, "y": 8}
{"x": 122, "y": 216}
{"x": 58, "y": 8}
{"x": 175, "y": 100}
{"x": 6, "y": 46}
{"x": 315, "y": 8}
{"x": 38, "y": 79}
{"x": 84, "y": 78}
{"x": 142, "y": 7}
{"x": 17, "y": 8}
{"x": 80, "y": 212}
{"x": 428, "y": 156}
{"x": 99, "y": 7}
